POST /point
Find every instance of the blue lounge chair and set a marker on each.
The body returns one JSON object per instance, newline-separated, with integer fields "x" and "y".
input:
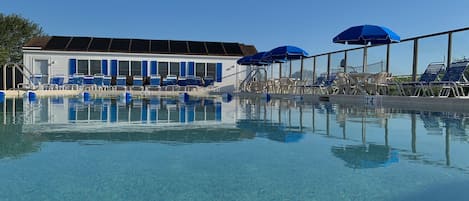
{"x": 137, "y": 83}
{"x": 208, "y": 81}
{"x": 121, "y": 83}
{"x": 422, "y": 86}
{"x": 75, "y": 81}
{"x": 170, "y": 80}
{"x": 56, "y": 82}
{"x": 107, "y": 82}
{"x": 155, "y": 82}
{"x": 88, "y": 82}
{"x": 454, "y": 81}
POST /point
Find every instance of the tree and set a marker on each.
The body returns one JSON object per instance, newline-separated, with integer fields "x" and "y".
{"x": 15, "y": 32}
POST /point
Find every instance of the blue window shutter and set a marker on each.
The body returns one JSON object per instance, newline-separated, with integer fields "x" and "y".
{"x": 218, "y": 74}
{"x": 104, "y": 67}
{"x": 153, "y": 68}
{"x": 113, "y": 67}
{"x": 72, "y": 69}
{"x": 183, "y": 69}
{"x": 191, "y": 68}
{"x": 144, "y": 68}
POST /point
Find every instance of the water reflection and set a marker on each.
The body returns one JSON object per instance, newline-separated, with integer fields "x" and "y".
{"x": 363, "y": 136}
{"x": 366, "y": 156}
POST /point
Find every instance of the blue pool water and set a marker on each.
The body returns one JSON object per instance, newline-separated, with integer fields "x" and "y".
{"x": 210, "y": 149}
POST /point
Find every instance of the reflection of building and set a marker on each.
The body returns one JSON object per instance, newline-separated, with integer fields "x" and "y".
{"x": 152, "y": 111}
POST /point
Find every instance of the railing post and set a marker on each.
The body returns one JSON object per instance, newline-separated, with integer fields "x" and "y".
{"x": 314, "y": 69}
{"x": 328, "y": 65}
{"x": 450, "y": 49}
{"x": 415, "y": 59}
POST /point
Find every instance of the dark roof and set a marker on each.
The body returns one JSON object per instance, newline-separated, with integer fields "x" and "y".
{"x": 92, "y": 44}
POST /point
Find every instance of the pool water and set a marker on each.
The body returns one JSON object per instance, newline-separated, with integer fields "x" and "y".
{"x": 211, "y": 149}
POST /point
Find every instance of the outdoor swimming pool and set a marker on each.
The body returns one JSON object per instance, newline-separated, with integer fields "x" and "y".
{"x": 210, "y": 149}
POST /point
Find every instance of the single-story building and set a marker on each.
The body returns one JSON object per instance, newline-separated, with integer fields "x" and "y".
{"x": 69, "y": 55}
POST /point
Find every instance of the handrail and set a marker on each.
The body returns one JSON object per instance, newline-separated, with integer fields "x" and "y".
{"x": 24, "y": 71}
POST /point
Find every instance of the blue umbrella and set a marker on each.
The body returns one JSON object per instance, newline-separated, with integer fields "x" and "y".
{"x": 364, "y": 34}
{"x": 246, "y": 60}
{"x": 258, "y": 59}
{"x": 283, "y": 53}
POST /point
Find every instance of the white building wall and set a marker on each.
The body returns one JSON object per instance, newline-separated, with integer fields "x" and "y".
{"x": 59, "y": 61}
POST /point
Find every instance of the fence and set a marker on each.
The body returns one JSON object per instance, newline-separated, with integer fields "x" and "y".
{"x": 409, "y": 58}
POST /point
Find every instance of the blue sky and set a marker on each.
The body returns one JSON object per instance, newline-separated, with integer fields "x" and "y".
{"x": 264, "y": 23}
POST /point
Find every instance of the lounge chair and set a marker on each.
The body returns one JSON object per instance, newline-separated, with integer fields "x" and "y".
{"x": 137, "y": 83}
{"x": 422, "y": 86}
{"x": 121, "y": 83}
{"x": 99, "y": 81}
{"x": 56, "y": 82}
{"x": 454, "y": 81}
{"x": 155, "y": 82}
{"x": 170, "y": 82}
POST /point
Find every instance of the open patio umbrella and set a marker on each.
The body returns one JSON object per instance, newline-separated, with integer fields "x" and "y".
{"x": 365, "y": 34}
{"x": 283, "y": 53}
{"x": 246, "y": 60}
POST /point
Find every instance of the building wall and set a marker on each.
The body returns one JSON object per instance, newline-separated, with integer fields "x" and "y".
{"x": 59, "y": 62}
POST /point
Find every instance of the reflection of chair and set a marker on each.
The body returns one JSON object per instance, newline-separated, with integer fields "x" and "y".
{"x": 431, "y": 122}
{"x": 366, "y": 156}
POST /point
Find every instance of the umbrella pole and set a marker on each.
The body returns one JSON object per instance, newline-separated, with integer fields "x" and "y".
{"x": 365, "y": 54}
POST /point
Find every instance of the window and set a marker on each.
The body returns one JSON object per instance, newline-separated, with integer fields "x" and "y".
{"x": 123, "y": 68}
{"x": 211, "y": 70}
{"x": 174, "y": 68}
{"x": 83, "y": 67}
{"x": 95, "y": 67}
{"x": 163, "y": 69}
{"x": 200, "y": 69}
{"x": 136, "y": 68}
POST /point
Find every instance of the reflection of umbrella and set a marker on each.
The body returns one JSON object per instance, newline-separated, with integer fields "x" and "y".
{"x": 362, "y": 156}
{"x": 269, "y": 130}
{"x": 283, "y": 53}
{"x": 364, "y": 34}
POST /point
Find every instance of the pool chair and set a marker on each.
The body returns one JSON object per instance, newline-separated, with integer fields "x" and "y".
{"x": 193, "y": 82}
{"x": 56, "y": 82}
{"x": 170, "y": 82}
{"x": 75, "y": 81}
{"x": 99, "y": 81}
{"x": 37, "y": 80}
{"x": 121, "y": 83}
{"x": 155, "y": 83}
{"x": 88, "y": 82}
{"x": 208, "y": 81}
{"x": 107, "y": 82}
{"x": 454, "y": 81}
{"x": 422, "y": 86}
{"x": 320, "y": 86}
{"x": 137, "y": 83}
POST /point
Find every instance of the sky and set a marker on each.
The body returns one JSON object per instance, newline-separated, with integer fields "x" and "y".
{"x": 309, "y": 24}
